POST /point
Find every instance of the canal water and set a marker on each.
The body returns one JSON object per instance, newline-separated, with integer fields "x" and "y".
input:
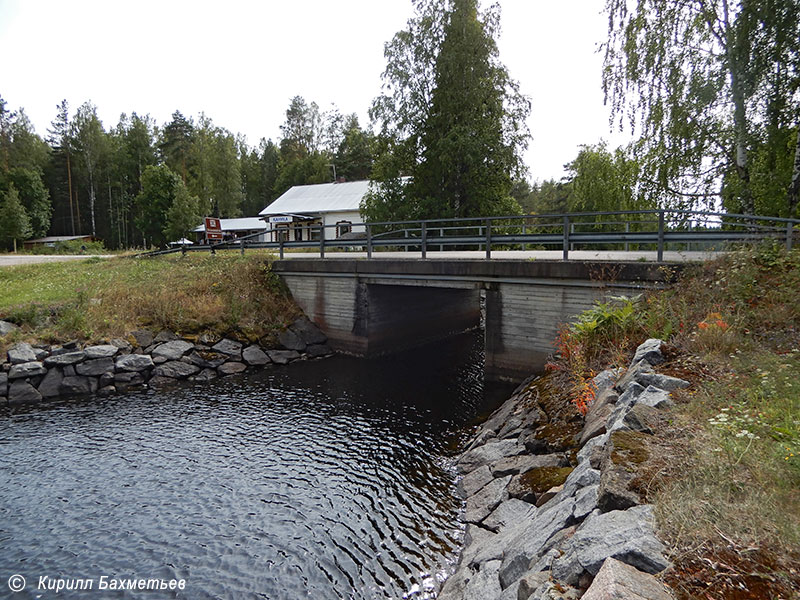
{"x": 324, "y": 479}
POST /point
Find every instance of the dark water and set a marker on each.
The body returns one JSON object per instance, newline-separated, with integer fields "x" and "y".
{"x": 326, "y": 479}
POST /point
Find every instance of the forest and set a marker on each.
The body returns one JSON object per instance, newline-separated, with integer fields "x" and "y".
{"x": 711, "y": 88}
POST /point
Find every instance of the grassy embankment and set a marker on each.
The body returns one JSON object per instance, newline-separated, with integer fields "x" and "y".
{"x": 103, "y": 298}
{"x": 724, "y": 474}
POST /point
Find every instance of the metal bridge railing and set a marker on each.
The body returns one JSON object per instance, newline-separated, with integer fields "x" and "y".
{"x": 645, "y": 229}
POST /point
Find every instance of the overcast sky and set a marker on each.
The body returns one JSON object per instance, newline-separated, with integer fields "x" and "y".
{"x": 241, "y": 61}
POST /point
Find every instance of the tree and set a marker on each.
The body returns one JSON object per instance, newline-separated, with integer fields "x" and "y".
{"x": 455, "y": 118}
{"x": 14, "y": 222}
{"x": 701, "y": 79}
{"x": 160, "y": 187}
{"x": 353, "y": 157}
{"x": 176, "y": 144}
{"x": 89, "y": 137}
{"x": 183, "y": 215}
{"x": 61, "y": 141}
{"x": 32, "y": 194}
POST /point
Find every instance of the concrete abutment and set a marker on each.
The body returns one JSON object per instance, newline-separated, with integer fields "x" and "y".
{"x": 369, "y": 308}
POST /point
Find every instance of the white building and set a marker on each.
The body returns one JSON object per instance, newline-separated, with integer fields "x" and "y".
{"x": 299, "y": 212}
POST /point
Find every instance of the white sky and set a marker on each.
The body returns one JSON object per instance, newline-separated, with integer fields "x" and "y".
{"x": 241, "y": 62}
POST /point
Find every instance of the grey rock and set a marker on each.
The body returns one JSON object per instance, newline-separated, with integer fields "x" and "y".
{"x": 596, "y": 425}
{"x": 175, "y": 369}
{"x": 489, "y": 497}
{"x": 106, "y": 390}
{"x": 490, "y": 452}
{"x": 585, "y": 502}
{"x": 6, "y": 328}
{"x": 308, "y": 332}
{"x": 165, "y": 336}
{"x": 632, "y": 374}
{"x": 133, "y": 362}
{"x": 605, "y": 380}
{"x": 123, "y": 345}
{"x": 665, "y": 382}
{"x": 160, "y": 360}
{"x": 22, "y": 392}
{"x": 255, "y": 356}
{"x": 128, "y": 378}
{"x": 21, "y": 353}
{"x": 205, "y": 375}
{"x": 230, "y": 347}
{"x": 642, "y": 418}
{"x": 500, "y": 417}
{"x": 28, "y": 369}
{"x": 173, "y": 350}
{"x": 626, "y": 400}
{"x": 655, "y": 397}
{"x": 615, "y": 579}
{"x": 143, "y": 338}
{"x": 474, "y": 481}
{"x": 50, "y": 386}
{"x": 586, "y": 452}
{"x": 317, "y": 350}
{"x": 40, "y": 352}
{"x": 582, "y": 476}
{"x": 75, "y": 385}
{"x": 106, "y": 379}
{"x": 56, "y": 350}
{"x": 510, "y": 512}
{"x": 475, "y": 539}
{"x": 67, "y": 357}
{"x": 231, "y": 368}
{"x": 545, "y": 497}
{"x": 532, "y": 540}
{"x": 530, "y": 583}
{"x": 101, "y": 351}
{"x": 614, "y": 492}
{"x": 157, "y": 381}
{"x": 69, "y": 371}
{"x": 72, "y": 345}
{"x": 3, "y": 383}
{"x": 206, "y": 360}
{"x": 608, "y": 397}
{"x": 96, "y": 367}
{"x": 282, "y": 357}
{"x": 627, "y": 535}
{"x": 649, "y": 351}
{"x": 514, "y": 465}
{"x": 484, "y": 584}
{"x": 291, "y": 341}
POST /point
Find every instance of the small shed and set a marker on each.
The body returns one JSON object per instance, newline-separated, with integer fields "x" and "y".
{"x": 235, "y": 228}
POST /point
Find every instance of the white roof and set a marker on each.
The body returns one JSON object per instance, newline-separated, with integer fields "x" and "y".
{"x": 319, "y": 198}
{"x": 240, "y": 224}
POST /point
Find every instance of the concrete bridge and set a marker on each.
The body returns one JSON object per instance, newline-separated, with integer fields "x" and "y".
{"x": 373, "y": 307}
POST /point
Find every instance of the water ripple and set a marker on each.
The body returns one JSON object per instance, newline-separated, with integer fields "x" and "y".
{"x": 322, "y": 480}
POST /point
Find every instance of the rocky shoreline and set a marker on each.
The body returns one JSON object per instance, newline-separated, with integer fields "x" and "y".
{"x": 552, "y": 509}
{"x": 33, "y": 372}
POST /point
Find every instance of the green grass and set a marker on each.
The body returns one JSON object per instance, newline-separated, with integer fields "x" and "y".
{"x": 101, "y": 298}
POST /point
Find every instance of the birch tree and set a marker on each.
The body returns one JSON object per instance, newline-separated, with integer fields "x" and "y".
{"x": 89, "y": 140}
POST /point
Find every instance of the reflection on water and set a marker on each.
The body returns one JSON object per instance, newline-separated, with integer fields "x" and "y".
{"x": 321, "y": 480}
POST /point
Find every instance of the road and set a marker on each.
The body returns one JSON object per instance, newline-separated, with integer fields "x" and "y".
{"x": 11, "y": 260}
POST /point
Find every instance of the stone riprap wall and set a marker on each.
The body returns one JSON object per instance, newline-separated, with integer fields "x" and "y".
{"x": 32, "y": 372}
{"x": 545, "y": 521}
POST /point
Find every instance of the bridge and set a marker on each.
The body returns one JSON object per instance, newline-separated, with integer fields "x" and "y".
{"x": 401, "y": 284}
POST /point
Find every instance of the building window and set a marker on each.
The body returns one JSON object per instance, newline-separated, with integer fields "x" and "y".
{"x": 282, "y": 233}
{"x": 343, "y": 227}
{"x": 298, "y": 233}
{"x": 314, "y": 231}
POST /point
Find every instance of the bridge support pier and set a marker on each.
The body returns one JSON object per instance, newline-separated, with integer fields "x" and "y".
{"x": 368, "y": 319}
{"x": 522, "y": 323}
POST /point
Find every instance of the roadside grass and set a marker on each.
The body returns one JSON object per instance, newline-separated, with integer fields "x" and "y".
{"x": 725, "y": 474}
{"x": 103, "y": 298}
